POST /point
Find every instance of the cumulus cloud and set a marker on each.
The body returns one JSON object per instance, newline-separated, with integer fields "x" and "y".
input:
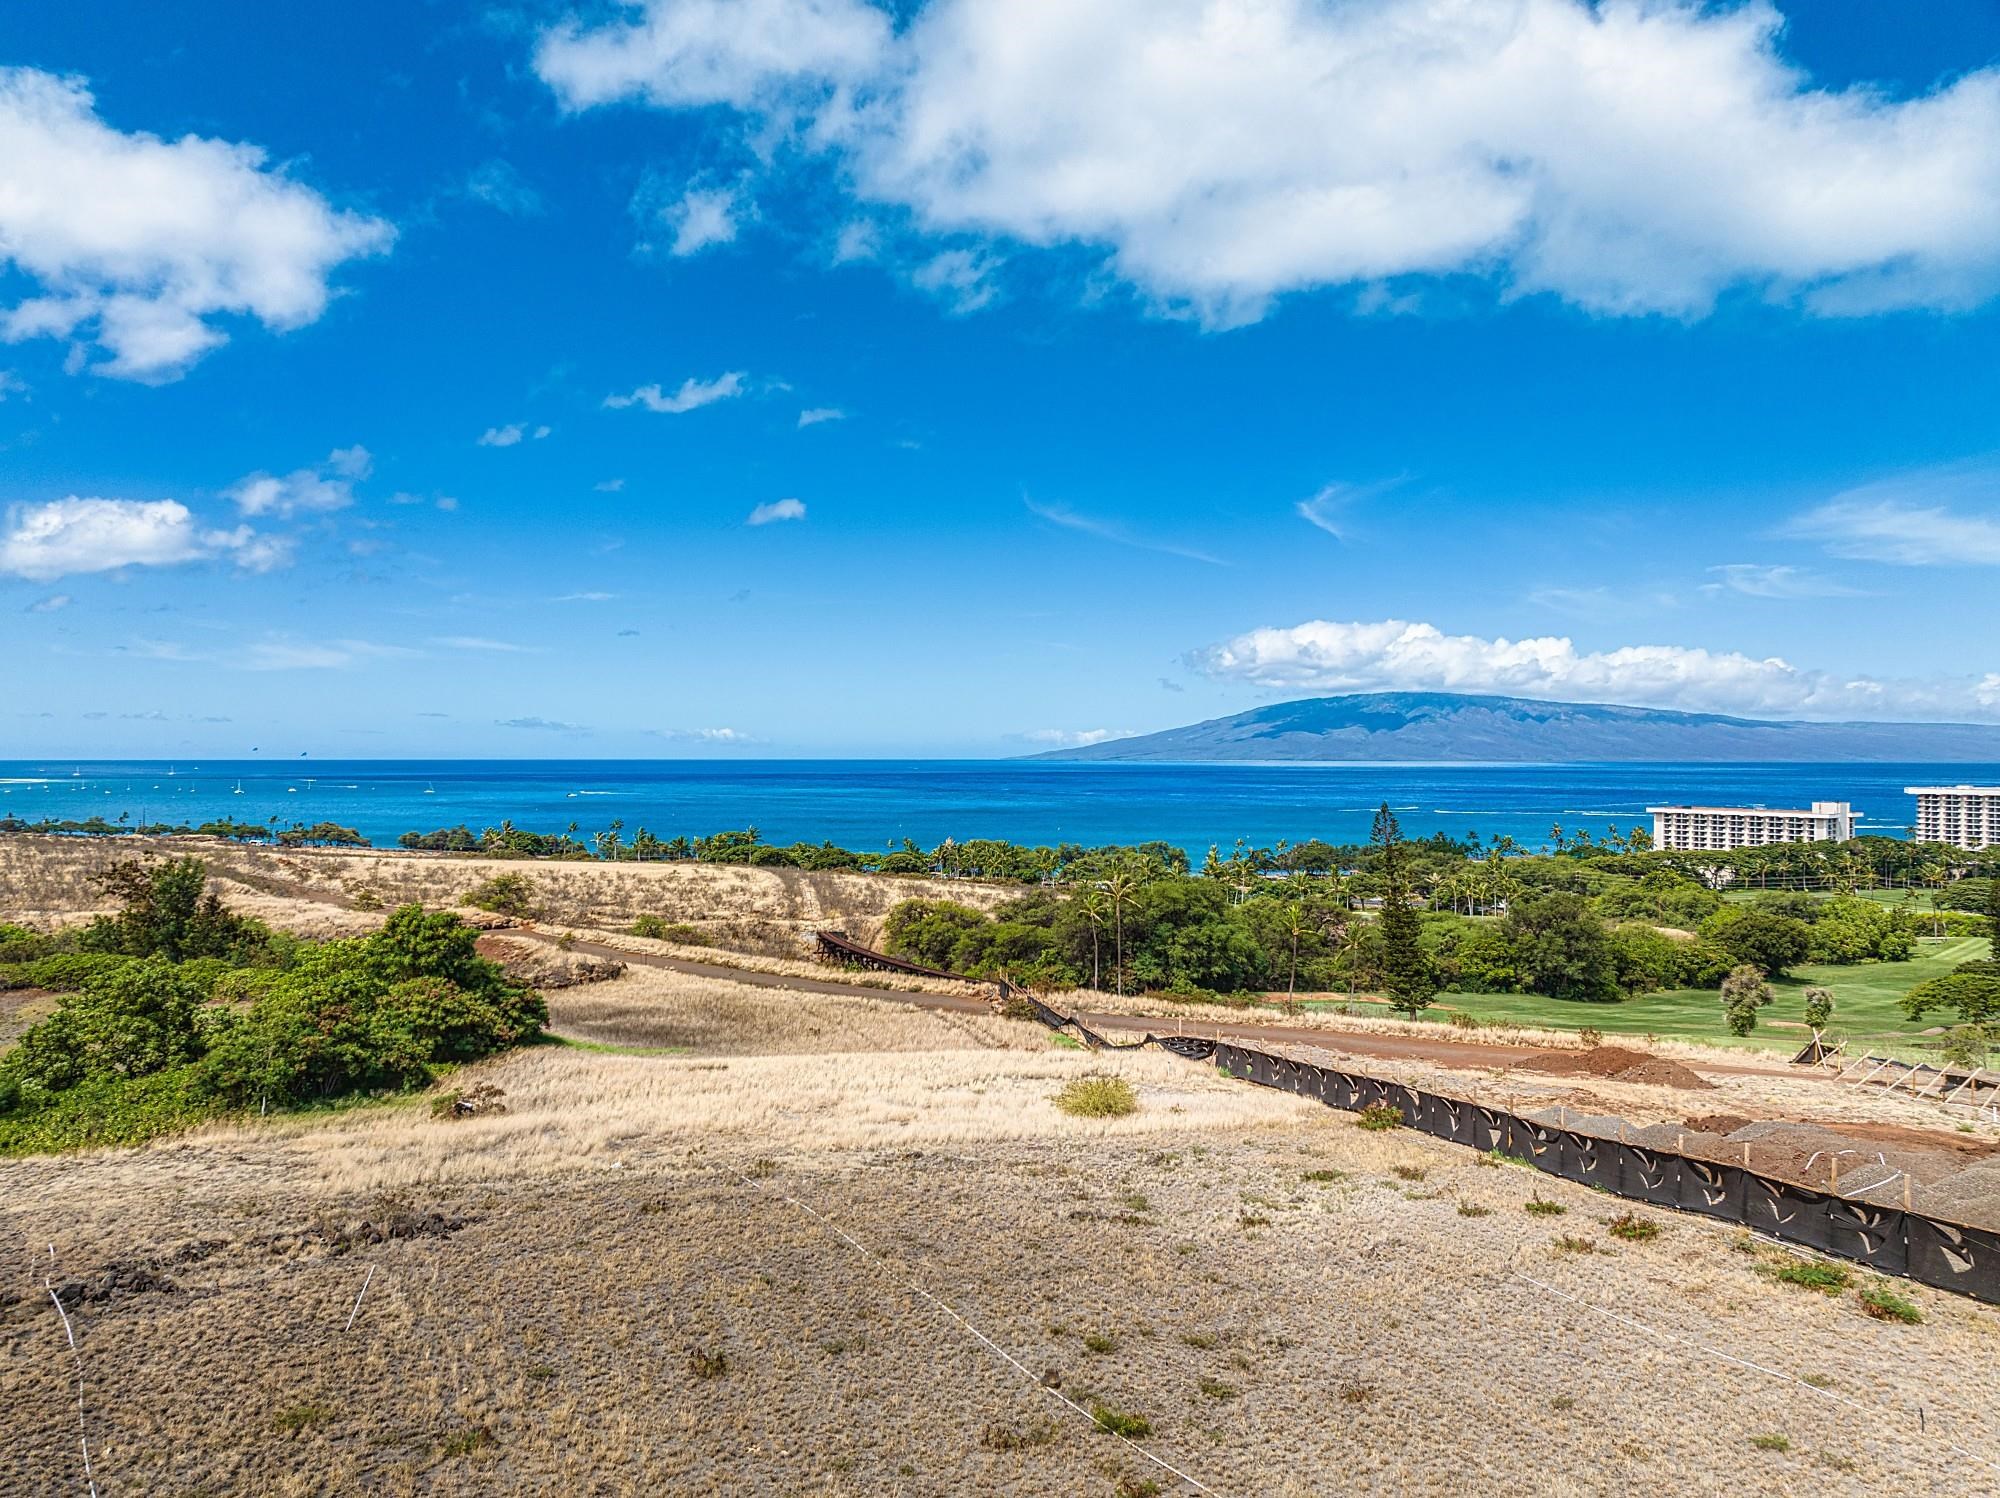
{"x": 1075, "y": 738}
{"x": 724, "y": 736}
{"x": 304, "y": 491}
{"x": 689, "y": 53}
{"x": 1394, "y": 654}
{"x": 78, "y": 535}
{"x": 144, "y": 245}
{"x": 814, "y": 415}
{"x": 1627, "y": 157}
{"x": 692, "y": 395}
{"x": 505, "y": 436}
{"x": 777, "y": 509}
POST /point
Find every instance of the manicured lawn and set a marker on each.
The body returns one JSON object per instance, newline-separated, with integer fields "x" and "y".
{"x": 1864, "y": 1005}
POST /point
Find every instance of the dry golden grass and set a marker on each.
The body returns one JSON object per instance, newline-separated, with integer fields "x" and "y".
{"x": 620, "y": 1295}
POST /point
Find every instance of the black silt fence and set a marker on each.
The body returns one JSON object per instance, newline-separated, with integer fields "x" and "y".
{"x": 1943, "y": 1255}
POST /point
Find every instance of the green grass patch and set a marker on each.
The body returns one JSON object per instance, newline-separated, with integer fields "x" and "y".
{"x": 1633, "y": 1229}
{"x": 1120, "y": 1423}
{"x": 1771, "y": 1443}
{"x": 606, "y": 1048}
{"x": 1808, "y": 1274}
{"x": 1880, "y": 1300}
{"x": 1539, "y": 1206}
{"x": 1378, "y": 1118}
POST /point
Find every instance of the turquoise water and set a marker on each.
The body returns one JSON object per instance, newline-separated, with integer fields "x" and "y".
{"x": 868, "y": 804}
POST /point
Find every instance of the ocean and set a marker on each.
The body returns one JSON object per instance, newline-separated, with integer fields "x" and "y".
{"x": 872, "y": 804}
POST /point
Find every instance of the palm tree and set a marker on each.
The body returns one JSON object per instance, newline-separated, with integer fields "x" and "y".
{"x": 1353, "y": 942}
{"x": 1297, "y": 924}
{"x": 1120, "y": 886}
{"x": 1091, "y": 905}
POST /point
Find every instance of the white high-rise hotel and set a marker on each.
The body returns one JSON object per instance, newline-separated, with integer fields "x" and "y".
{"x": 1706, "y": 829}
{"x": 1967, "y": 816}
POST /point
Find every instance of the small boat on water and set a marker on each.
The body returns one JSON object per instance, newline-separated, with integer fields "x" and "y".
{"x": 430, "y": 790}
{"x": 239, "y": 789}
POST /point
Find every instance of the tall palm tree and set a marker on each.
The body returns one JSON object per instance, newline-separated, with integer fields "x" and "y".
{"x": 1120, "y": 885}
{"x": 1297, "y": 925}
{"x": 1091, "y": 905}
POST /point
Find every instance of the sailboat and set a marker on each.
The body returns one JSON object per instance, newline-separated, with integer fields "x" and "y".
{"x": 239, "y": 789}
{"x": 430, "y": 790}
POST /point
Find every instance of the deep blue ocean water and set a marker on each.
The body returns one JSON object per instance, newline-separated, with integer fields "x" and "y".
{"x": 867, "y": 804}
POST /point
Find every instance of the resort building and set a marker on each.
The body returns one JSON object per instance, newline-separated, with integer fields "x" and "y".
{"x": 1967, "y": 816}
{"x": 1702, "y": 829}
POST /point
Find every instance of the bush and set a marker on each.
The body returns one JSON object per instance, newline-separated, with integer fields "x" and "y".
{"x": 1759, "y": 938}
{"x": 1882, "y": 1302}
{"x": 1810, "y": 1274}
{"x": 1378, "y": 1118}
{"x": 1098, "y": 1097}
{"x": 1131, "y": 1427}
{"x": 1633, "y": 1228}
{"x": 503, "y": 894}
{"x": 658, "y": 928}
{"x": 1744, "y": 992}
{"x": 170, "y": 912}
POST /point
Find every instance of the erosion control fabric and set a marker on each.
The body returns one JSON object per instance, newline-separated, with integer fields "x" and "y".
{"x": 1944, "y": 1255}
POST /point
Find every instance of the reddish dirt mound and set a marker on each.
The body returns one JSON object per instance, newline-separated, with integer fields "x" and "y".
{"x": 1619, "y": 1064}
{"x": 1716, "y": 1123}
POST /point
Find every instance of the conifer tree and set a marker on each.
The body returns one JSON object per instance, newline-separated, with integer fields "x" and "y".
{"x": 1408, "y": 979}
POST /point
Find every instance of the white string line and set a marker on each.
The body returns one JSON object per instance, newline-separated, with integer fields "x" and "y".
{"x": 82, "y": 1435}
{"x": 1873, "y": 1411}
{"x": 991, "y": 1345}
{"x": 357, "y": 1299}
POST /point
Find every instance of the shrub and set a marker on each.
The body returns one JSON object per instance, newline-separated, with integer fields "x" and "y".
{"x": 1634, "y": 1229}
{"x": 1098, "y": 1097}
{"x": 1570, "y": 1244}
{"x": 658, "y": 928}
{"x": 707, "y": 1362}
{"x": 1538, "y": 1206}
{"x": 1410, "y": 1172}
{"x": 1131, "y": 1427}
{"x": 1744, "y": 992}
{"x": 1771, "y": 1443}
{"x": 1379, "y": 1117}
{"x": 1810, "y": 1274}
{"x": 503, "y": 894}
{"x": 1882, "y": 1302}
{"x": 1473, "y": 1209}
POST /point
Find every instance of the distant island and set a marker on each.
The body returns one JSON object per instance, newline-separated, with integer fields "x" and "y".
{"x": 1447, "y": 726}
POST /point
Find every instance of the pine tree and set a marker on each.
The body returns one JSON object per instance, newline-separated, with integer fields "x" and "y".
{"x": 1406, "y": 970}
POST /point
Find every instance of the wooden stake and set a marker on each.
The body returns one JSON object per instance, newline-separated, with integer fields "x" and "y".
{"x": 1746, "y": 1154}
{"x": 1906, "y": 1191}
{"x": 1833, "y": 1174}
{"x": 1680, "y": 1141}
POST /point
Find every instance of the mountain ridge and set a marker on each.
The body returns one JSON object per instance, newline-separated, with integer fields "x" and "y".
{"x": 1444, "y": 727}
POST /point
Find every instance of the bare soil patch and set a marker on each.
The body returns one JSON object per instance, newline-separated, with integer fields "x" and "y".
{"x": 1621, "y": 1062}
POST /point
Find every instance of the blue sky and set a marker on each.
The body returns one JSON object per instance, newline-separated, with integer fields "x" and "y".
{"x": 788, "y": 377}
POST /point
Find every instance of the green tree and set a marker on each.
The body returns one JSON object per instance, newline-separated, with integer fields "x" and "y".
{"x": 1973, "y": 989}
{"x": 1409, "y": 981}
{"x": 1119, "y": 887}
{"x": 1561, "y": 949}
{"x": 1819, "y": 1008}
{"x": 1760, "y": 938}
{"x": 170, "y": 912}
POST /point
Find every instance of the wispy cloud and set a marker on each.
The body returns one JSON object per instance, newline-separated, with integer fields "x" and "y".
{"x": 814, "y": 415}
{"x": 1784, "y": 582}
{"x": 589, "y": 597}
{"x": 777, "y": 509}
{"x": 540, "y": 725}
{"x": 48, "y": 605}
{"x": 609, "y": 486}
{"x": 692, "y": 395}
{"x": 1108, "y": 530}
{"x": 1935, "y": 517}
{"x": 315, "y": 655}
{"x": 1325, "y": 509}
{"x": 722, "y": 736}
{"x": 481, "y": 642}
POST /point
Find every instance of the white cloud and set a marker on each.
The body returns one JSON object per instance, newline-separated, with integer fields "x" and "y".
{"x": 77, "y": 535}
{"x": 779, "y": 509}
{"x": 704, "y": 216}
{"x": 52, "y": 604}
{"x": 859, "y": 240}
{"x": 814, "y": 415}
{"x": 688, "y": 53}
{"x": 545, "y": 725}
{"x": 692, "y": 395}
{"x": 498, "y": 185}
{"x": 1324, "y": 509}
{"x": 314, "y": 655}
{"x": 593, "y": 596}
{"x": 1627, "y": 157}
{"x": 707, "y": 735}
{"x": 962, "y": 279}
{"x": 505, "y": 436}
{"x": 1393, "y": 654}
{"x": 1938, "y": 517}
{"x": 1107, "y": 530}
{"x": 609, "y": 486}
{"x": 11, "y": 384}
{"x": 143, "y": 245}
{"x": 1776, "y": 582}
{"x": 354, "y": 462}
{"x": 480, "y": 642}
{"x": 1067, "y": 738}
